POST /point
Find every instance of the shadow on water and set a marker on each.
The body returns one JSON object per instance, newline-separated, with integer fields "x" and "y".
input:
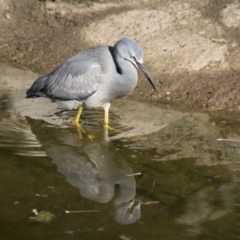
{"x": 166, "y": 175}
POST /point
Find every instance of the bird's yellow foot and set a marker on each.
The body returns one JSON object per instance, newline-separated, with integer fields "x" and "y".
{"x": 107, "y": 127}
{"x": 82, "y": 132}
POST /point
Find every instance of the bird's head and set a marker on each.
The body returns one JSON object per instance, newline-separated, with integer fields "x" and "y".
{"x": 130, "y": 51}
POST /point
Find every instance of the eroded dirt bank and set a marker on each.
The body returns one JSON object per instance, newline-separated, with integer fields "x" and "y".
{"x": 193, "y": 47}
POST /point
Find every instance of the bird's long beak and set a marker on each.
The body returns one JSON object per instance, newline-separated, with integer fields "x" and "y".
{"x": 141, "y": 66}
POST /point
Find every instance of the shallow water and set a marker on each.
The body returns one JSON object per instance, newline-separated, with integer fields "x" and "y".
{"x": 164, "y": 175}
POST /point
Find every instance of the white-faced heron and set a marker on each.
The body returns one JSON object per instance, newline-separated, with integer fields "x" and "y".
{"x": 94, "y": 77}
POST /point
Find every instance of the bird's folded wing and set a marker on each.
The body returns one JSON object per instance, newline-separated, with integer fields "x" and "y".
{"x": 74, "y": 82}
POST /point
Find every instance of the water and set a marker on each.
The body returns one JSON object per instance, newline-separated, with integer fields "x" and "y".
{"x": 164, "y": 175}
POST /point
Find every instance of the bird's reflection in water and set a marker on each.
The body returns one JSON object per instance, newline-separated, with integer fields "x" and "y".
{"x": 96, "y": 168}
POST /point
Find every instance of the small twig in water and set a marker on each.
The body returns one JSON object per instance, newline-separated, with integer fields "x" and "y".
{"x": 134, "y": 174}
{"x": 230, "y": 140}
{"x": 83, "y": 211}
{"x": 153, "y": 202}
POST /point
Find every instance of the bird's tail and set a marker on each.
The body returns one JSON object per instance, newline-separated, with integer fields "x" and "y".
{"x": 37, "y": 89}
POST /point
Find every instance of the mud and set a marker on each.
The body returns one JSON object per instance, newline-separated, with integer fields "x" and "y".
{"x": 192, "y": 47}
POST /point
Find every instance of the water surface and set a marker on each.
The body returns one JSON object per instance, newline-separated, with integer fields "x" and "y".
{"x": 164, "y": 175}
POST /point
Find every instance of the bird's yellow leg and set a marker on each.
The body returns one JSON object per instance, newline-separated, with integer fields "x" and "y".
{"x": 106, "y": 119}
{"x": 77, "y": 117}
{"x": 79, "y": 128}
{"x": 106, "y": 115}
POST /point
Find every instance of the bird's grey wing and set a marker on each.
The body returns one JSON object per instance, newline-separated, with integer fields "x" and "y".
{"x": 78, "y": 78}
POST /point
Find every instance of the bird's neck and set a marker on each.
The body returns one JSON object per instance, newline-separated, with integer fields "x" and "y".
{"x": 127, "y": 74}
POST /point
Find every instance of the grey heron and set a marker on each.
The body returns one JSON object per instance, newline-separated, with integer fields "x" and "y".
{"x": 93, "y": 78}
